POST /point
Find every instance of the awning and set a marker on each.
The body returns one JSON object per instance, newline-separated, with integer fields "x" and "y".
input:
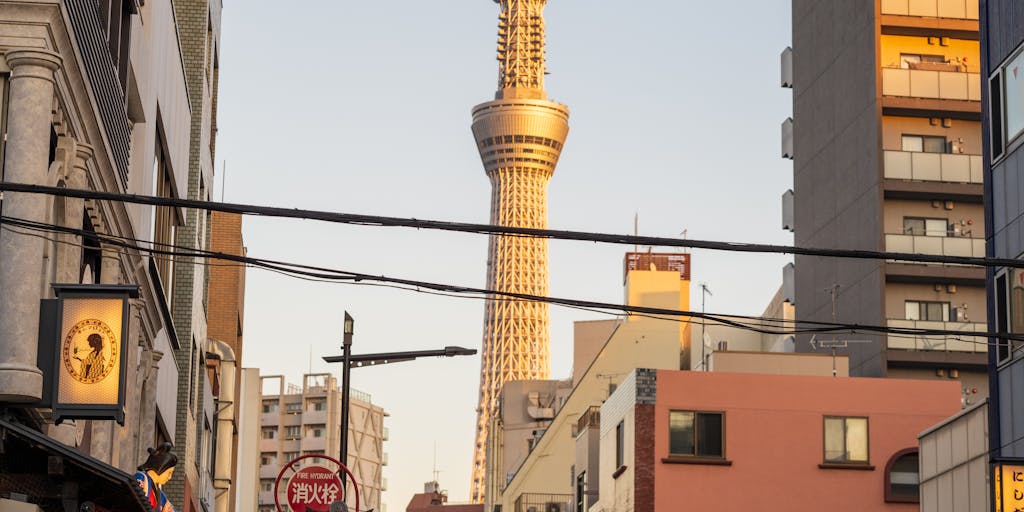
{"x": 53, "y": 475}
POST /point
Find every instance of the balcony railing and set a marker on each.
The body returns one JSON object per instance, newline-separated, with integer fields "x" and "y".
{"x": 947, "y": 167}
{"x": 542, "y": 502}
{"x": 924, "y": 83}
{"x": 947, "y": 343}
{"x": 590, "y": 418}
{"x": 958, "y": 9}
{"x": 936, "y": 245}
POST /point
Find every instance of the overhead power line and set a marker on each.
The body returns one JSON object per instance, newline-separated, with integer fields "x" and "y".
{"x": 490, "y": 229}
{"x": 755, "y": 324}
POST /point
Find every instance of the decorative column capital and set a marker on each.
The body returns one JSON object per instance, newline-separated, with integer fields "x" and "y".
{"x": 83, "y": 153}
{"x": 33, "y": 63}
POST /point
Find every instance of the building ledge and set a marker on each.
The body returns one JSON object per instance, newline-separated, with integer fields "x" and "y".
{"x": 927, "y": 107}
{"x": 929, "y": 190}
{"x": 706, "y": 461}
{"x": 905, "y": 272}
{"x": 839, "y": 465}
{"x": 895, "y": 24}
{"x": 930, "y": 358}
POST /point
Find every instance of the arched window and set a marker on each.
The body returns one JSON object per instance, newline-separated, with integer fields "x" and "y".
{"x": 903, "y": 477}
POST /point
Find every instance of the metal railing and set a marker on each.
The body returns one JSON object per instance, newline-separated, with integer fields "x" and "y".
{"x": 957, "y": 9}
{"x": 949, "y": 343}
{"x": 923, "y": 83}
{"x": 946, "y": 167}
{"x": 535, "y": 502}
{"x": 590, "y": 418}
{"x": 936, "y": 245}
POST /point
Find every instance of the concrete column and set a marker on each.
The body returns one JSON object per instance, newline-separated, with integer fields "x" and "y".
{"x": 148, "y": 406}
{"x": 128, "y": 435}
{"x": 69, "y": 255}
{"x": 29, "y": 114}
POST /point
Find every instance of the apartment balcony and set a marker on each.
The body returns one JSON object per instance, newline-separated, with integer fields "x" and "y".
{"x": 310, "y": 443}
{"x": 941, "y": 167}
{"x": 270, "y": 419}
{"x": 936, "y": 245}
{"x": 931, "y": 84}
{"x": 955, "y": 9}
{"x": 269, "y": 471}
{"x": 269, "y": 445}
{"x": 313, "y": 417}
{"x": 949, "y": 343}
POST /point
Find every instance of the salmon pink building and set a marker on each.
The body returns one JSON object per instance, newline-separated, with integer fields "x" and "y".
{"x": 732, "y": 441}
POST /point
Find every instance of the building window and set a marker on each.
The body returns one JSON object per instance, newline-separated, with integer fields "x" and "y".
{"x": 927, "y": 311}
{"x": 164, "y": 222}
{"x": 269, "y": 407}
{"x": 581, "y": 492}
{"x": 910, "y": 60}
{"x": 293, "y": 407}
{"x": 292, "y": 432}
{"x": 925, "y": 144}
{"x": 846, "y": 440}
{"x": 266, "y": 485}
{"x": 1009, "y": 302}
{"x": 268, "y": 458}
{"x": 289, "y": 456}
{"x": 269, "y": 433}
{"x": 1013, "y": 97}
{"x": 620, "y": 444}
{"x": 903, "y": 477}
{"x": 919, "y": 226}
{"x": 698, "y": 434}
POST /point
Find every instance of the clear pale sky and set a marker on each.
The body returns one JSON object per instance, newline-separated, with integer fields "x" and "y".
{"x": 364, "y": 107}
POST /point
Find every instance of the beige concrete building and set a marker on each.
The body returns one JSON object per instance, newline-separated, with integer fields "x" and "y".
{"x": 886, "y": 146}
{"x": 304, "y": 420}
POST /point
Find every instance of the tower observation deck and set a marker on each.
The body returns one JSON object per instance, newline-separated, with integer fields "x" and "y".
{"x": 520, "y": 136}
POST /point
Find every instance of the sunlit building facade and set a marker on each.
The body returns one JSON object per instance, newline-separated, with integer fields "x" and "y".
{"x": 887, "y": 154}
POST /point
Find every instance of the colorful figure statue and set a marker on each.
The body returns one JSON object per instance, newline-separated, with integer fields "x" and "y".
{"x": 156, "y": 472}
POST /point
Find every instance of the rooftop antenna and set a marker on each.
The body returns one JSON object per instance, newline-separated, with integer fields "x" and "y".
{"x": 833, "y": 344}
{"x": 684, "y": 233}
{"x": 436, "y": 471}
{"x": 704, "y": 292}
{"x": 636, "y": 228}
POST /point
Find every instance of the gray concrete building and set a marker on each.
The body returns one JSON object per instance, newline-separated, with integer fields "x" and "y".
{"x": 886, "y": 146}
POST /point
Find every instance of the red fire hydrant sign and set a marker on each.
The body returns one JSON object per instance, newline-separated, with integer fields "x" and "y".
{"x": 314, "y": 488}
{"x": 313, "y": 485}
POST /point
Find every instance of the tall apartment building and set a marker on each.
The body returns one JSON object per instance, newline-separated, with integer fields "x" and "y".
{"x": 1002, "y": 49}
{"x": 305, "y": 420}
{"x": 94, "y": 97}
{"x": 886, "y": 146}
{"x": 193, "y": 483}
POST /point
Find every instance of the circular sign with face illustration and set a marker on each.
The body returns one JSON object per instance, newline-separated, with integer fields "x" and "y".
{"x": 89, "y": 351}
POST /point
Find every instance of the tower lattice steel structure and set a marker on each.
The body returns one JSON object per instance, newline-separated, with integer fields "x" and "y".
{"x": 520, "y": 136}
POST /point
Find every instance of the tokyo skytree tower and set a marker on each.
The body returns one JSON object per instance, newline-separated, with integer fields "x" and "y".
{"x": 520, "y": 136}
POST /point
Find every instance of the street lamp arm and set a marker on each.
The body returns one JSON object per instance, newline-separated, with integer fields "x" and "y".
{"x": 397, "y": 357}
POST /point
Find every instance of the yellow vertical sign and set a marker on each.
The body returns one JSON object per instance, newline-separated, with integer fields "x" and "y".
{"x": 1009, "y": 484}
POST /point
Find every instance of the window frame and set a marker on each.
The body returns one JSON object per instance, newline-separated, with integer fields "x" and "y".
{"x": 696, "y": 436}
{"x": 853, "y": 464}
{"x": 1000, "y": 142}
{"x": 924, "y": 139}
{"x": 620, "y": 444}
{"x": 889, "y": 496}
{"x": 948, "y": 310}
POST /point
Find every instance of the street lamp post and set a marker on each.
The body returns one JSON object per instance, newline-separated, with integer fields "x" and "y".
{"x": 347, "y": 360}
{"x": 346, "y": 351}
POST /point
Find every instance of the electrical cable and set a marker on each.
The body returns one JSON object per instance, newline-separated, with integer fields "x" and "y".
{"x": 738, "y": 321}
{"x": 490, "y": 229}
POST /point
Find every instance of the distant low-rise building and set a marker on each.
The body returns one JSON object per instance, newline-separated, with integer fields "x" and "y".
{"x": 305, "y": 420}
